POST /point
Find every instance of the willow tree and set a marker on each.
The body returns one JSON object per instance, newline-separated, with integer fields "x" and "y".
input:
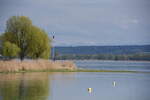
{"x": 11, "y": 50}
{"x": 32, "y": 41}
{"x": 39, "y": 43}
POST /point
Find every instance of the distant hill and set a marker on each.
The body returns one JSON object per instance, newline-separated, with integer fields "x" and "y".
{"x": 90, "y": 50}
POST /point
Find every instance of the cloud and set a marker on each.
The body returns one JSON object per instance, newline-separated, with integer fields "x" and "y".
{"x": 128, "y": 23}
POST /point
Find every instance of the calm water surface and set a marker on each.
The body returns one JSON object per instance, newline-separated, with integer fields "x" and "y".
{"x": 114, "y": 65}
{"x": 73, "y": 86}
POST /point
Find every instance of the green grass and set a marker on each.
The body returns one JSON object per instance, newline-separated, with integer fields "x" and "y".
{"x": 75, "y": 70}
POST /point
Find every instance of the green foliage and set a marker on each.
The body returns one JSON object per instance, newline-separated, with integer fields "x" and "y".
{"x": 10, "y": 49}
{"x": 39, "y": 44}
{"x": 32, "y": 41}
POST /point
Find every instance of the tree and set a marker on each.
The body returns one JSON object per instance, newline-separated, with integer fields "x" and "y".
{"x": 10, "y": 49}
{"x": 39, "y": 43}
{"x": 32, "y": 41}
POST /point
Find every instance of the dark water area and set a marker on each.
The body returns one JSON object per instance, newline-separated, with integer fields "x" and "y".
{"x": 114, "y": 65}
{"x": 74, "y": 85}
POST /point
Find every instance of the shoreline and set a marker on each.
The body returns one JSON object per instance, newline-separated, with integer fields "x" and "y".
{"x": 111, "y": 60}
{"x": 16, "y": 66}
{"x": 75, "y": 70}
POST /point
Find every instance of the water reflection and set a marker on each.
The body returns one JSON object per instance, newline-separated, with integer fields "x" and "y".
{"x": 73, "y": 86}
{"x": 31, "y": 86}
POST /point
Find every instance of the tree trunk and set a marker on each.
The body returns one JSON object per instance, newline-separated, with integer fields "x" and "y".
{"x": 22, "y": 56}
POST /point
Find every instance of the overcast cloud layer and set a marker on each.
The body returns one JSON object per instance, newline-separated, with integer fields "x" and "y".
{"x": 85, "y": 22}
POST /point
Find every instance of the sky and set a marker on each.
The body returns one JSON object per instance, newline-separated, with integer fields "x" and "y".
{"x": 85, "y": 22}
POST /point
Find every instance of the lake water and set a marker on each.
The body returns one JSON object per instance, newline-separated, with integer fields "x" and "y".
{"x": 114, "y": 65}
{"x": 74, "y": 86}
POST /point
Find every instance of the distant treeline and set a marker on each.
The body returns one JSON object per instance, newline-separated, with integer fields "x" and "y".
{"x": 94, "y": 50}
{"x": 139, "y": 56}
{"x": 132, "y": 52}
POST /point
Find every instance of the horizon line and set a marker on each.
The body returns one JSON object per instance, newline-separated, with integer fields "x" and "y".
{"x": 100, "y": 45}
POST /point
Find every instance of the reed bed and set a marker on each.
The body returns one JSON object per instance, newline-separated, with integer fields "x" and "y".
{"x": 35, "y": 65}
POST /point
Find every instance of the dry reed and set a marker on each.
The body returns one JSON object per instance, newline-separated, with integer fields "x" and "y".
{"x": 16, "y": 65}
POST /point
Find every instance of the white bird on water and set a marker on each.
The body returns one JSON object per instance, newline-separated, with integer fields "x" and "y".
{"x": 114, "y": 83}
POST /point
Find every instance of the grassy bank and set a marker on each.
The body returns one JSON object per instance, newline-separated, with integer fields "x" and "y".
{"x": 74, "y": 70}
